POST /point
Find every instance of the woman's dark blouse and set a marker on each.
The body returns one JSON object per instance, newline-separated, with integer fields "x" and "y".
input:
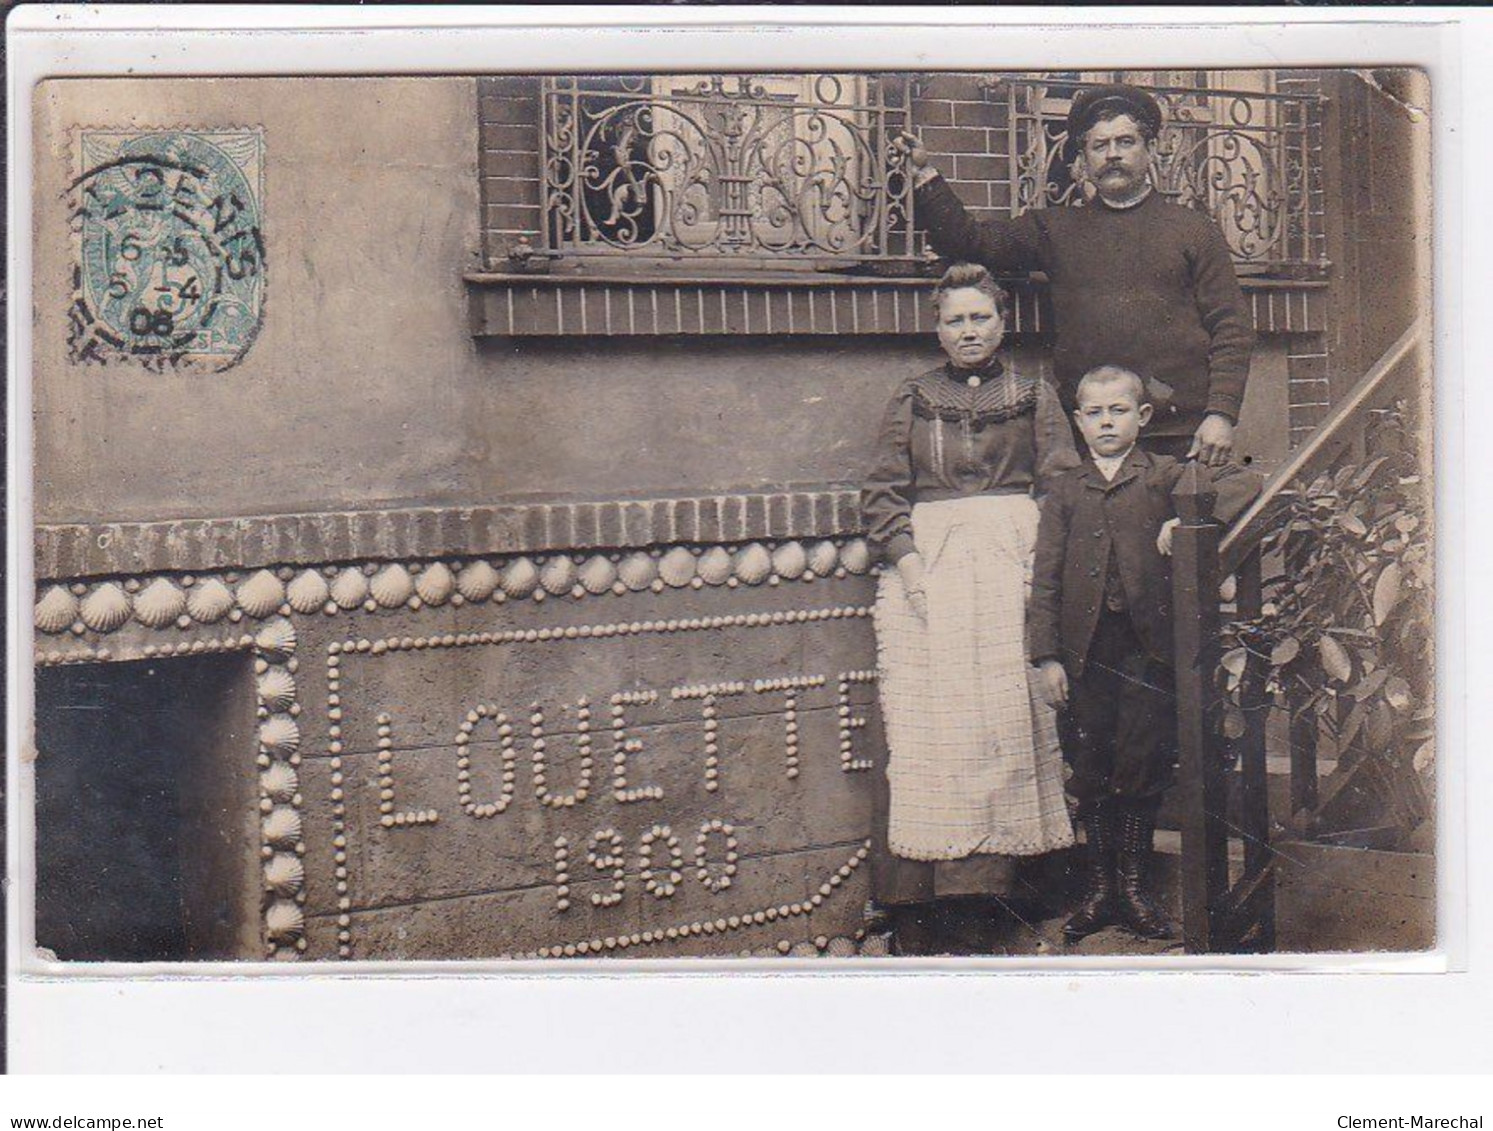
{"x": 941, "y": 438}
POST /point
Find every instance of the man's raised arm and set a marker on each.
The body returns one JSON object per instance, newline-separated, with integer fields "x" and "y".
{"x": 1000, "y": 245}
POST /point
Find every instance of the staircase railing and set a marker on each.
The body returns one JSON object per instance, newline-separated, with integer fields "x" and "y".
{"x": 1227, "y": 909}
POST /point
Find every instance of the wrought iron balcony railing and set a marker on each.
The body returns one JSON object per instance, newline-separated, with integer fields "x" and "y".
{"x": 1251, "y": 159}
{"x": 741, "y": 168}
{"x": 777, "y": 170}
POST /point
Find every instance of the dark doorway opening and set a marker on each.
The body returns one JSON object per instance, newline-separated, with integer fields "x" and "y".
{"x": 146, "y": 821}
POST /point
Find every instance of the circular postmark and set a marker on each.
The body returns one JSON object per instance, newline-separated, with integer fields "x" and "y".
{"x": 170, "y": 264}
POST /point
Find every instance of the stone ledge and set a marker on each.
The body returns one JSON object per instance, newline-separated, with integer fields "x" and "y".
{"x": 92, "y": 550}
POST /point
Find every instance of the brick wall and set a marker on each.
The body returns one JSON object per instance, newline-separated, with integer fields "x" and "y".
{"x": 508, "y": 117}
{"x": 967, "y": 133}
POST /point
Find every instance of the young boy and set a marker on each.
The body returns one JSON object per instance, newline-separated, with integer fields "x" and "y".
{"x": 1099, "y": 630}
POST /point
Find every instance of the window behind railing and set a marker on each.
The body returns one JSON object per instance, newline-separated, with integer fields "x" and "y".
{"x": 1241, "y": 150}
{"x": 770, "y": 169}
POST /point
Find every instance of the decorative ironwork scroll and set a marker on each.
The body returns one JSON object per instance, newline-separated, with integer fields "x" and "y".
{"x": 726, "y": 167}
{"x": 1250, "y": 159}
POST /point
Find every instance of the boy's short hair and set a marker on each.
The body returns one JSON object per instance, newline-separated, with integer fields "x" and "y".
{"x": 1112, "y": 375}
{"x": 970, "y": 275}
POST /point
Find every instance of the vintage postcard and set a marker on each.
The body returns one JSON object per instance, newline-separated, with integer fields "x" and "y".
{"x": 844, "y": 515}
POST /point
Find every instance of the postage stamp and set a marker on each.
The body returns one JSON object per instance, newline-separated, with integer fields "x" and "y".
{"x": 169, "y": 264}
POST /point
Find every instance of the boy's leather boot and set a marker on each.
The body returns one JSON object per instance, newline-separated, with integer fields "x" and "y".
{"x": 1097, "y": 908}
{"x": 1137, "y": 912}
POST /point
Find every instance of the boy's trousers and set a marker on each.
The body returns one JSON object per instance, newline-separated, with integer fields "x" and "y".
{"x": 1119, "y": 731}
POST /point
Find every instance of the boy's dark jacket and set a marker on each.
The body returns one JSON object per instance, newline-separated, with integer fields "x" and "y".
{"x": 1084, "y": 519}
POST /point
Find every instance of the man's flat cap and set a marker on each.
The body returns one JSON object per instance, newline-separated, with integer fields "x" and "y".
{"x": 1117, "y": 98}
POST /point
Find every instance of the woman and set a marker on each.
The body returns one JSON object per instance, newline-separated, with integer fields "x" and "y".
{"x": 975, "y": 771}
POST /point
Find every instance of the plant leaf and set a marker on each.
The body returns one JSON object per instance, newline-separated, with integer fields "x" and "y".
{"x": 1397, "y": 694}
{"x": 1425, "y": 758}
{"x": 1380, "y": 728}
{"x": 1335, "y": 661}
{"x": 1286, "y": 649}
{"x": 1355, "y": 720}
{"x": 1234, "y": 662}
{"x": 1233, "y": 723}
{"x": 1369, "y": 684}
{"x": 1353, "y": 525}
{"x": 1386, "y": 592}
{"x": 1367, "y": 472}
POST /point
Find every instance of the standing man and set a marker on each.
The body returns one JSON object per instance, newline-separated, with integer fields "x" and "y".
{"x": 1135, "y": 281}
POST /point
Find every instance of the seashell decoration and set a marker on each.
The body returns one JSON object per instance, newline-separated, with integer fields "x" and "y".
{"x": 598, "y": 574}
{"x": 840, "y": 947}
{"x": 477, "y": 581}
{"x": 282, "y": 828}
{"x": 677, "y": 567}
{"x": 855, "y": 556}
{"x": 435, "y": 584}
{"x": 790, "y": 560}
{"x": 753, "y": 564}
{"x": 558, "y": 575}
{"x": 714, "y": 566}
{"x": 280, "y": 782}
{"x": 209, "y": 602}
{"x": 106, "y": 608}
{"x": 392, "y": 586}
{"x": 309, "y": 591}
{"x": 875, "y": 946}
{"x": 276, "y": 640}
{"x": 261, "y": 594}
{"x": 285, "y": 874}
{"x": 637, "y": 571}
{"x": 280, "y": 736}
{"x": 349, "y": 588}
{"x": 277, "y": 689}
{"x": 822, "y": 558}
{"x": 159, "y": 604}
{"x": 56, "y": 610}
{"x": 804, "y": 950}
{"x": 284, "y": 921}
{"x": 519, "y": 578}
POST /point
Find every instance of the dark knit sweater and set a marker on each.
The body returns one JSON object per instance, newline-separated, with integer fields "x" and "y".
{"x": 1151, "y": 288}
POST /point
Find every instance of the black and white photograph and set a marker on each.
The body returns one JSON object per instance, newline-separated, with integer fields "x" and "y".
{"x": 837, "y": 515}
{"x": 605, "y": 513}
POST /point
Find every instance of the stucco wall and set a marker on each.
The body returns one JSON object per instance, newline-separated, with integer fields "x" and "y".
{"x": 364, "y": 386}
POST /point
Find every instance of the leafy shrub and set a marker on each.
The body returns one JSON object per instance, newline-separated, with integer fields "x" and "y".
{"x": 1346, "y": 627}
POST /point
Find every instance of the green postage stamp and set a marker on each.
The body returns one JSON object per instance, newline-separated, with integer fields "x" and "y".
{"x": 169, "y": 267}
